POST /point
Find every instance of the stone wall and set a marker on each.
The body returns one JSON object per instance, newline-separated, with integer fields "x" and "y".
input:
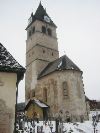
{"x": 40, "y": 50}
{"x": 73, "y": 103}
{"x": 40, "y": 38}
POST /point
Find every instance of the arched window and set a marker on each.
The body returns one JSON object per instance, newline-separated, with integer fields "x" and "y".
{"x": 33, "y": 29}
{"x": 43, "y": 29}
{"x": 49, "y": 32}
{"x": 45, "y": 94}
{"x": 33, "y": 93}
{"x": 65, "y": 89}
{"x": 43, "y": 51}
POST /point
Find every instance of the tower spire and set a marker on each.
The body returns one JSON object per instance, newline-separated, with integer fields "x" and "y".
{"x": 39, "y": 15}
{"x": 40, "y": 2}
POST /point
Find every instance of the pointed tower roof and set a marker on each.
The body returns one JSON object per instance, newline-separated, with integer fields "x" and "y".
{"x": 62, "y": 63}
{"x": 41, "y": 14}
{"x": 9, "y": 64}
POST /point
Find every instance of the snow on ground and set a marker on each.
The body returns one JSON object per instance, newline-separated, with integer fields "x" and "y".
{"x": 85, "y": 127}
{"x": 76, "y": 127}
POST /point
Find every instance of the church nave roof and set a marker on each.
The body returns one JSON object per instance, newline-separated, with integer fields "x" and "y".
{"x": 62, "y": 63}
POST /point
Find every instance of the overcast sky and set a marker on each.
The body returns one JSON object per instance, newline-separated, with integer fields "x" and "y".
{"x": 78, "y": 32}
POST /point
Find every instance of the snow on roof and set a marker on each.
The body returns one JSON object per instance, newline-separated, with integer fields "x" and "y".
{"x": 41, "y": 104}
{"x": 7, "y": 61}
{"x": 9, "y": 64}
{"x": 59, "y": 65}
{"x": 36, "y": 101}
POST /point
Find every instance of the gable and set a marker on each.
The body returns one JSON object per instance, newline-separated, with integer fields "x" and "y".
{"x": 37, "y": 102}
{"x": 9, "y": 64}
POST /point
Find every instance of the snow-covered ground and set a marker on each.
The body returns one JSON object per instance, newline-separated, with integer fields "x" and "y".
{"x": 85, "y": 127}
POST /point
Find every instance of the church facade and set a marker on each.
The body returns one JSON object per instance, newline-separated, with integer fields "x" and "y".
{"x": 55, "y": 80}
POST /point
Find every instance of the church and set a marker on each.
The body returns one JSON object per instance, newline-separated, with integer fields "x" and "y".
{"x": 56, "y": 81}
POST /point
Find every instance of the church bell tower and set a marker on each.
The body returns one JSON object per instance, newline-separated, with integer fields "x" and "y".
{"x": 41, "y": 46}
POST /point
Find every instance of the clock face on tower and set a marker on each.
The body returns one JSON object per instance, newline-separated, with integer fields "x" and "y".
{"x": 47, "y": 19}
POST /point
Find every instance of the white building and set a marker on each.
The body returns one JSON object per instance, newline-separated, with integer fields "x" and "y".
{"x": 11, "y": 72}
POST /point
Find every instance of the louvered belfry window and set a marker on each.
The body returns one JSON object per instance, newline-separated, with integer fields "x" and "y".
{"x": 49, "y": 32}
{"x": 43, "y": 29}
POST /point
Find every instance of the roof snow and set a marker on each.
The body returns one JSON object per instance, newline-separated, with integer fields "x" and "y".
{"x": 9, "y": 64}
{"x": 38, "y": 102}
{"x": 59, "y": 65}
{"x": 7, "y": 61}
{"x": 41, "y": 104}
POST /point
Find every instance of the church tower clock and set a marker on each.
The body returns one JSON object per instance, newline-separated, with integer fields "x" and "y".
{"x": 41, "y": 46}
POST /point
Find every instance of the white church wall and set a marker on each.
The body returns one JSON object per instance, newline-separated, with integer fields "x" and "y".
{"x": 8, "y": 93}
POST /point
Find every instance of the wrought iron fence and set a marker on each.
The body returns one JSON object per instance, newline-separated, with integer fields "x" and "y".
{"x": 33, "y": 125}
